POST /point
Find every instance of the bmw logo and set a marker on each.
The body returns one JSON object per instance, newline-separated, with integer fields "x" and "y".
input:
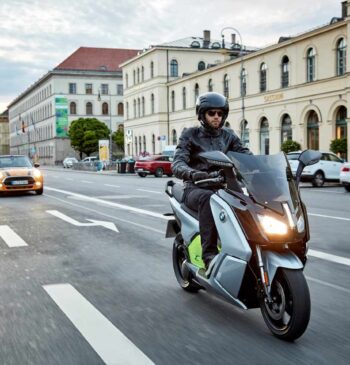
{"x": 222, "y": 216}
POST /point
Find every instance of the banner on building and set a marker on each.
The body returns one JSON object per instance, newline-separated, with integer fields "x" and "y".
{"x": 103, "y": 149}
{"x": 61, "y": 108}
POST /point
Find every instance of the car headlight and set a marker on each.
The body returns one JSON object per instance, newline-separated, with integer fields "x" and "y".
{"x": 2, "y": 175}
{"x": 36, "y": 173}
{"x": 272, "y": 225}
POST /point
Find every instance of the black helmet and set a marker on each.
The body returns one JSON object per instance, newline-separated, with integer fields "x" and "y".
{"x": 209, "y": 101}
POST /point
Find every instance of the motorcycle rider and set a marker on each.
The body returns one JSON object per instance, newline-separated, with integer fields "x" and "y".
{"x": 212, "y": 110}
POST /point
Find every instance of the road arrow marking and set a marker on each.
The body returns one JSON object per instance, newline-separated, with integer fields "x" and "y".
{"x": 11, "y": 238}
{"x": 108, "y": 225}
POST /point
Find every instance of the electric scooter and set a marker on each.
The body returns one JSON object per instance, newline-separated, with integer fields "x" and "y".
{"x": 263, "y": 233}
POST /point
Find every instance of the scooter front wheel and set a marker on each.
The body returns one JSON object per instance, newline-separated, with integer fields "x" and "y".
{"x": 183, "y": 276}
{"x": 289, "y": 314}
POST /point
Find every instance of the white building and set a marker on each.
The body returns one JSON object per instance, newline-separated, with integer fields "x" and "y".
{"x": 295, "y": 89}
{"x": 87, "y": 84}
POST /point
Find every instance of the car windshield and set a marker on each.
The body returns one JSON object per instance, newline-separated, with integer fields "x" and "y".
{"x": 14, "y": 161}
{"x": 266, "y": 178}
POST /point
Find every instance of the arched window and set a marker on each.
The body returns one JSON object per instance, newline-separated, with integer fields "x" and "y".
{"x": 210, "y": 85}
{"x": 138, "y": 75}
{"x": 183, "y": 98}
{"x": 226, "y": 88}
{"x": 310, "y": 65}
{"x": 143, "y": 106}
{"x": 120, "y": 109}
{"x": 152, "y": 103}
{"x": 134, "y": 108}
{"x": 196, "y": 93}
{"x": 73, "y": 108}
{"x": 341, "y": 57}
{"x": 264, "y": 137}
{"x": 263, "y": 70}
{"x": 285, "y": 72}
{"x": 142, "y": 74}
{"x": 201, "y": 66}
{"x": 153, "y": 144}
{"x": 174, "y": 71}
{"x": 245, "y": 133}
{"x": 286, "y": 129}
{"x": 174, "y": 137}
{"x": 340, "y": 123}
{"x": 88, "y": 108}
{"x": 144, "y": 144}
{"x": 312, "y": 131}
{"x": 104, "y": 108}
{"x": 173, "y": 101}
{"x": 152, "y": 69}
{"x": 244, "y": 82}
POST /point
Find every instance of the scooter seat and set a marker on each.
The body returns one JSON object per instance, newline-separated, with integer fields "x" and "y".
{"x": 178, "y": 192}
{"x": 191, "y": 212}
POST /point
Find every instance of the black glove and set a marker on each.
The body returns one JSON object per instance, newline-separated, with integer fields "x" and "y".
{"x": 199, "y": 175}
{"x": 214, "y": 174}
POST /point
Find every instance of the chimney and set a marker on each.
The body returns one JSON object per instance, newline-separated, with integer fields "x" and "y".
{"x": 206, "y": 38}
{"x": 233, "y": 38}
{"x": 345, "y": 9}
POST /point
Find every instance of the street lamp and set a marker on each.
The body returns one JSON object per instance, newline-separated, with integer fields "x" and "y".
{"x": 241, "y": 54}
{"x": 110, "y": 123}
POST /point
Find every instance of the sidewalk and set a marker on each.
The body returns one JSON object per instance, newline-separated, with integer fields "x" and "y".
{"x": 101, "y": 172}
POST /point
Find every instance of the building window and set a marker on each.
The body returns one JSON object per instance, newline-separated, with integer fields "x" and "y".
{"x": 174, "y": 71}
{"x": 88, "y": 89}
{"x": 72, "y": 88}
{"x": 104, "y": 108}
{"x": 286, "y": 129}
{"x": 183, "y": 98}
{"x": 134, "y": 77}
{"x": 138, "y": 75}
{"x": 152, "y": 69}
{"x": 144, "y": 144}
{"x": 312, "y": 131}
{"x": 153, "y": 144}
{"x": 173, "y": 101}
{"x": 142, "y": 74}
{"x": 341, "y": 57}
{"x": 152, "y": 103}
{"x": 310, "y": 65}
{"x": 245, "y": 133}
{"x": 119, "y": 89}
{"x": 136, "y": 152}
{"x": 134, "y": 108}
{"x": 140, "y": 145}
{"x": 210, "y": 85}
{"x": 73, "y": 108}
{"x": 138, "y": 107}
{"x": 263, "y": 70}
{"x": 264, "y": 137}
{"x": 341, "y": 130}
{"x": 120, "y": 109}
{"x": 143, "y": 106}
{"x": 201, "y": 66}
{"x": 126, "y": 80}
{"x": 196, "y": 93}
{"x": 104, "y": 89}
{"x": 285, "y": 72}
{"x": 243, "y": 82}
{"x": 89, "y": 108}
{"x": 174, "y": 137}
{"x": 127, "y": 110}
{"x": 226, "y": 88}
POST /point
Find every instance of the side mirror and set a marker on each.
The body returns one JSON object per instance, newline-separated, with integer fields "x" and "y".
{"x": 36, "y": 164}
{"x": 307, "y": 158}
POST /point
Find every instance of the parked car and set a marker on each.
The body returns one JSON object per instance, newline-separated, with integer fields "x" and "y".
{"x": 154, "y": 165}
{"x": 345, "y": 176}
{"x": 18, "y": 174}
{"x": 90, "y": 159}
{"x": 69, "y": 161}
{"x": 327, "y": 169}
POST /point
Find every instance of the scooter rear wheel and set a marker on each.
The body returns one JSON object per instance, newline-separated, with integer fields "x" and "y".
{"x": 183, "y": 276}
{"x": 289, "y": 314}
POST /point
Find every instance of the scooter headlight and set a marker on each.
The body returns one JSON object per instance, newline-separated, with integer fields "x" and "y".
{"x": 272, "y": 225}
{"x": 301, "y": 224}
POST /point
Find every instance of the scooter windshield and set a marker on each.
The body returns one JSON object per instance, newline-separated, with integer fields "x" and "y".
{"x": 267, "y": 179}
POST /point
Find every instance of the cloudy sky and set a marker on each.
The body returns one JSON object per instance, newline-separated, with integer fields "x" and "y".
{"x": 36, "y": 35}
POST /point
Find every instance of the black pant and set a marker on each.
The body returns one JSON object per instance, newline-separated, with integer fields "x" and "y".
{"x": 197, "y": 199}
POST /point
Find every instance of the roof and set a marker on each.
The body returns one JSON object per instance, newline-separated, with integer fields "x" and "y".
{"x": 97, "y": 59}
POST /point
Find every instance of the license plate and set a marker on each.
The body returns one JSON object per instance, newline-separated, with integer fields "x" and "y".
{"x": 19, "y": 182}
{"x": 139, "y": 170}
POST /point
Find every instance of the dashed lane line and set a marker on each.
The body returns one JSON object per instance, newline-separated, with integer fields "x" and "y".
{"x": 151, "y": 191}
{"x": 11, "y": 238}
{"x": 328, "y": 216}
{"x": 329, "y": 257}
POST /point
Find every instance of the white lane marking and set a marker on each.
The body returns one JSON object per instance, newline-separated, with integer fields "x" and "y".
{"x": 11, "y": 238}
{"x": 86, "y": 182}
{"x": 113, "y": 186}
{"x": 329, "y": 216}
{"x": 327, "y": 191}
{"x": 108, "y": 341}
{"x": 329, "y": 257}
{"x": 328, "y": 284}
{"x": 112, "y": 204}
{"x": 107, "y": 215}
{"x": 120, "y": 196}
{"x": 108, "y": 225}
{"x": 151, "y": 191}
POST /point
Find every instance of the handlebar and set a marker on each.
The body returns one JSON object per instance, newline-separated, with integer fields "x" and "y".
{"x": 214, "y": 180}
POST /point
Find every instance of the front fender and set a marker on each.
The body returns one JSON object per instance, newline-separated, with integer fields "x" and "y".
{"x": 273, "y": 260}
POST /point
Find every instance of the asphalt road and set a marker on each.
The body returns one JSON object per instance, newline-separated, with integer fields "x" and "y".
{"x": 77, "y": 291}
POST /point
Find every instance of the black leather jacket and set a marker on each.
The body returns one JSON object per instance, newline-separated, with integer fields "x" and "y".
{"x": 198, "y": 139}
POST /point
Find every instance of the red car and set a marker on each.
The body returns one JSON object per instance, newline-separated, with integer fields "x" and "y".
{"x": 154, "y": 165}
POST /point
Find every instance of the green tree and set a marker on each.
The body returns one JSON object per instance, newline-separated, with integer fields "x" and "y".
{"x": 84, "y": 134}
{"x": 339, "y": 145}
{"x": 118, "y": 138}
{"x": 290, "y": 146}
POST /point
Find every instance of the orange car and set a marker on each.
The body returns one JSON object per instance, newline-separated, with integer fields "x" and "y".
{"x": 18, "y": 174}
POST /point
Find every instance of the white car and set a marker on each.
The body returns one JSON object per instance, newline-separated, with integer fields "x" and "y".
{"x": 345, "y": 176}
{"x": 327, "y": 169}
{"x": 69, "y": 161}
{"x": 90, "y": 159}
